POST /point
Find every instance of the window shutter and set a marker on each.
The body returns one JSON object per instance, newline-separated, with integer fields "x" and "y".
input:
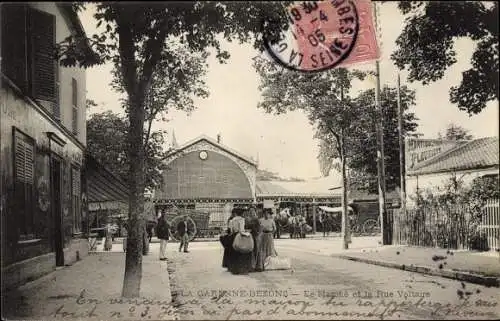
{"x": 76, "y": 182}
{"x": 76, "y": 190}
{"x": 29, "y": 167}
{"x": 74, "y": 88}
{"x": 20, "y": 160}
{"x": 25, "y": 160}
{"x": 74, "y": 98}
{"x": 14, "y": 46}
{"x": 74, "y": 121}
{"x": 42, "y": 30}
{"x": 57, "y": 108}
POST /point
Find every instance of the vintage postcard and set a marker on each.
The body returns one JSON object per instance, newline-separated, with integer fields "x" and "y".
{"x": 272, "y": 160}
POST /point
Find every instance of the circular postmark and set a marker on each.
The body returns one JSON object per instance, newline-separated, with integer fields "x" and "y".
{"x": 320, "y": 35}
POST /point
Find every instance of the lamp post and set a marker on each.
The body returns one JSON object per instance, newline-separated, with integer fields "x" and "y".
{"x": 380, "y": 146}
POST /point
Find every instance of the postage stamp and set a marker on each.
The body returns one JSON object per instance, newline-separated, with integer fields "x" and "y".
{"x": 324, "y": 35}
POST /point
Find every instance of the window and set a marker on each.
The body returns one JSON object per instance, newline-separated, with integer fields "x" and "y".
{"x": 74, "y": 100}
{"x": 76, "y": 199}
{"x": 28, "y": 40}
{"x": 24, "y": 171}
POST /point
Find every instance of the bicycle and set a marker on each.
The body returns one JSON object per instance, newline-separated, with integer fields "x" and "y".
{"x": 368, "y": 226}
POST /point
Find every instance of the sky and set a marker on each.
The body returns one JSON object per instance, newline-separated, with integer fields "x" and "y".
{"x": 285, "y": 143}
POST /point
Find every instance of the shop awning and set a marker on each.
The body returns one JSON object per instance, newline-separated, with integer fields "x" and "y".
{"x": 111, "y": 205}
{"x": 333, "y": 209}
{"x": 104, "y": 189}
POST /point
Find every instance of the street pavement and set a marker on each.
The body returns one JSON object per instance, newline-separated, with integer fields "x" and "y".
{"x": 479, "y": 267}
{"x": 91, "y": 290}
{"x": 319, "y": 286}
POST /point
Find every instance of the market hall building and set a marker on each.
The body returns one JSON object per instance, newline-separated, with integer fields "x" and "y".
{"x": 209, "y": 178}
{"x": 206, "y": 176}
{"x": 43, "y": 138}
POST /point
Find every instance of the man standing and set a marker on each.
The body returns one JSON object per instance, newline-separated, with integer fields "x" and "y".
{"x": 277, "y": 222}
{"x": 163, "y": 233}
{"x": 183, "y": 230}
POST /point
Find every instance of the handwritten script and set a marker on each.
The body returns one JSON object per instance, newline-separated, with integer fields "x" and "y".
{"x": 309, "y": 304}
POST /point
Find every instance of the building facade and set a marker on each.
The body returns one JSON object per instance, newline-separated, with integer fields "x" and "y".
{"x": 42, "y": 143}
{"x": 208, "y": 177}
{"x": 465, "y": 160}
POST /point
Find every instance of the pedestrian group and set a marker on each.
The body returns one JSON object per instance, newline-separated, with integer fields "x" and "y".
{"x": 184, "y": 230}
{"x": 248, "y": 243}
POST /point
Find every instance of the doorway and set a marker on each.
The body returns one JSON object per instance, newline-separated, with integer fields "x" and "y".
{"x": 55, "y": 176}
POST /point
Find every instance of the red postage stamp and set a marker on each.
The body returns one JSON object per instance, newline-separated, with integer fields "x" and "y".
{"x": 327, "y": 34}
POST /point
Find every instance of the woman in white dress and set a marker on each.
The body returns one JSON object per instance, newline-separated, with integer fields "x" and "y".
{"x": 266, "y": 246}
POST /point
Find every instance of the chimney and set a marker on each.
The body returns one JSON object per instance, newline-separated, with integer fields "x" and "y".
{"x": 219, "y": 139}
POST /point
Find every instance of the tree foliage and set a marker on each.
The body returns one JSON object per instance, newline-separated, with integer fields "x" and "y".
{"x": 456, "y": 132}
{"x": 266, "y": 175}
{"x": 426, "y": 47}
{"x": 324, "y": 97}
{"x": 137, "y": 39}
{"x": 107, "y": 142}
{"x": 457, "y": 207}
{"x": 90, "y": 103}
{"x": 174, "y": 84}
{"x": 362, "y": 143}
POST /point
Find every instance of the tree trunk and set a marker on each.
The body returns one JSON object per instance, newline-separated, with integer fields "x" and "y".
{"x": 345, "y": 216}
{"x": 136, "y": 181}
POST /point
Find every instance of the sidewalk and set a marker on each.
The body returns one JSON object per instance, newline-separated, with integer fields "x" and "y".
{"x": 476, "y": 267}
{"x": 91, "y": 289}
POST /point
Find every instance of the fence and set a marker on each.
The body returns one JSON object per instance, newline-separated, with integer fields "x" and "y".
{"x": 490, "y": 224}
{"x": 447, "y": 227}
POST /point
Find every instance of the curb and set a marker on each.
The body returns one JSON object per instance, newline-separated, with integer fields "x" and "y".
{"x": 172, "y": 282}
{"x": 487, "y": 281}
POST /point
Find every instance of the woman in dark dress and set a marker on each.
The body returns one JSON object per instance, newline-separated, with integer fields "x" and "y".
{"x": 225, "y": 240}
{"x": 238, "y": 263}
{"x": 252, "y": 223}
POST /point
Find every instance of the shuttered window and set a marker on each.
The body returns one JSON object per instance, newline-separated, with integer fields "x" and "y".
{"x": 14, "y": 44}
{"x": 57, "y": 108}
{"x": 28, "y": 42}
{"x": 24, "y": 172}
{"x": 74, "y": 99}
{"x": 76, "y": 199}
{"x": 42, "y": 37}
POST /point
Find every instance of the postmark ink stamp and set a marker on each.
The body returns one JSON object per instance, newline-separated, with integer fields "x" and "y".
{"x": 320, "y": 35}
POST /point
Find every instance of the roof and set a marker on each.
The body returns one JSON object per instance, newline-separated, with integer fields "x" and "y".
{"x": 268, "y": 188}
{"x": 476, "y": 154}
{"x": 218, "y": 145}
{"x": 103, "y": 186}
{"x": 75, "y": 24}
{"x": 313, "y": 188}
{"x": 361, "y": 195}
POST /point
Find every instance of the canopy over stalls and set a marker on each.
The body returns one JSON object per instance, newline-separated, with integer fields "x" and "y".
{"x": 329, "y": 209}
{"x": 106, "y": 192}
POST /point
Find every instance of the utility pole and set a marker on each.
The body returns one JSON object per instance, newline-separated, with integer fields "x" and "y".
{"x": 402, "y": 169}
{"x": 345, "y": 216}
{"x": 380, "y": 147}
